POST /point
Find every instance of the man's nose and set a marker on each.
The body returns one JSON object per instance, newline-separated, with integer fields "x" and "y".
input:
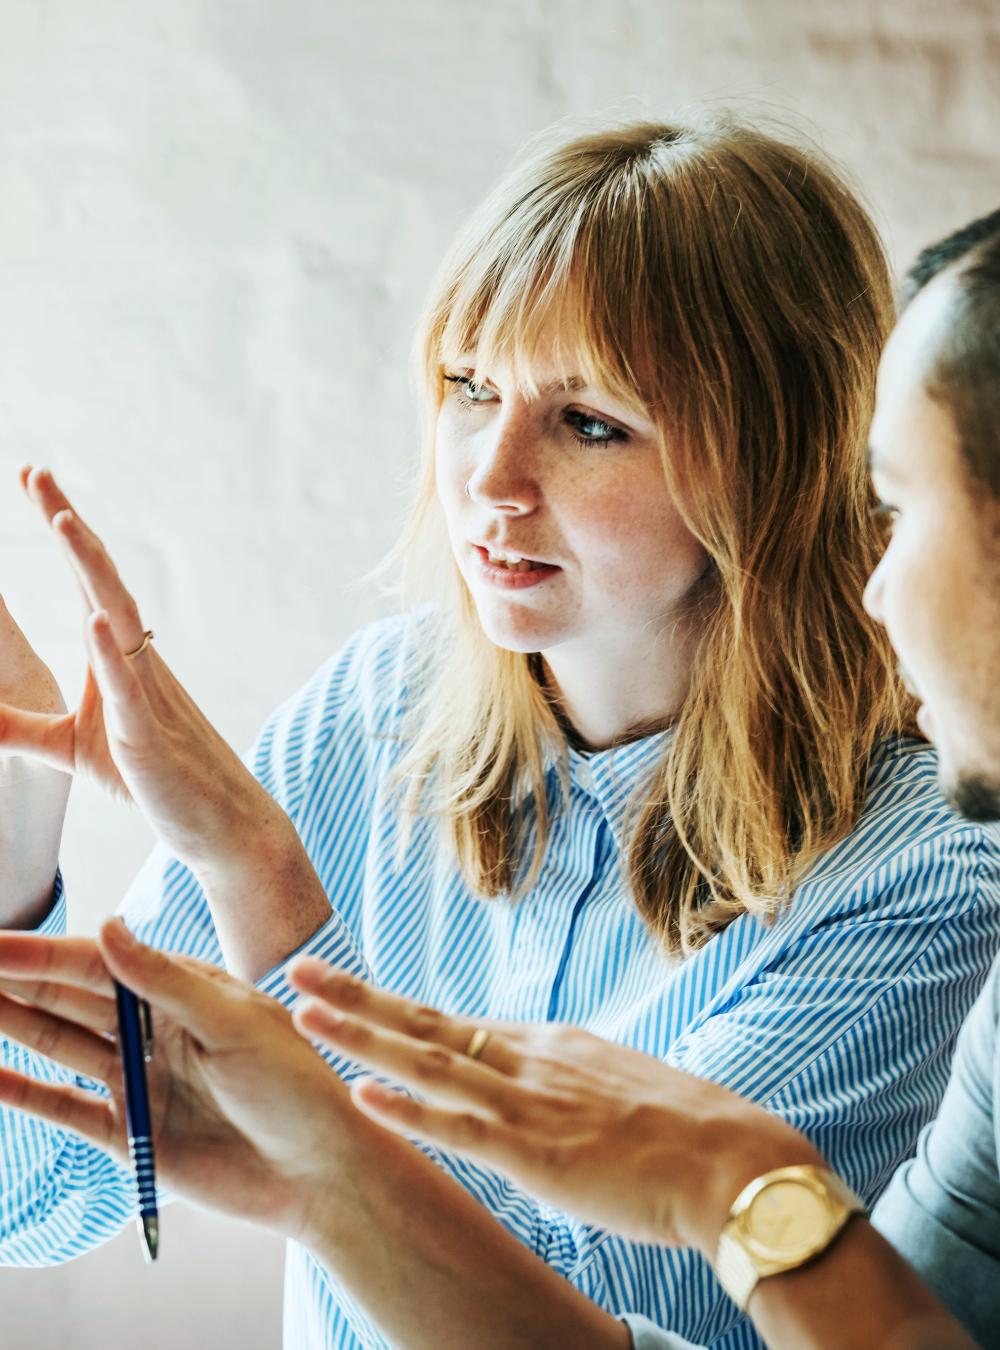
{"x": 872, "y": 598}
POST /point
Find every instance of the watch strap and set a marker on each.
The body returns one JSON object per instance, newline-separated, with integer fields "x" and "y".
{"x": 739, "y": 1269}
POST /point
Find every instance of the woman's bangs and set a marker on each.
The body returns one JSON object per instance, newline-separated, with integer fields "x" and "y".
{"x": 528, "y": 310}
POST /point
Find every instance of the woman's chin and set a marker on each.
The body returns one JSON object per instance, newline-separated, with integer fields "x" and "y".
{"x": 519, "y": 630}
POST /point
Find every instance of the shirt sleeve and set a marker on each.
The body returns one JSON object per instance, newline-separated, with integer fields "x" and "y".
{"x": 647, "y": 1336}
{"x": 48, "y": 1178}
{"x": 847, "y": 1034}
{"x": 942, "y": 1209}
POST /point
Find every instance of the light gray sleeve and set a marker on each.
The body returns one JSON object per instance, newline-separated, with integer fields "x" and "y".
{"x": 942, "y": 1209}
{"x": 647, "y": 1335}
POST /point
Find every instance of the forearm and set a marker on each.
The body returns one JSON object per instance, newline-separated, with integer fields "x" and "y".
{"x": 434, "y": 1270}
{"x": 264, "y": 895}
{"x": 860, "y": 1295}
{"x": 857, "y": 1295}
{"x": 32, "y": 809}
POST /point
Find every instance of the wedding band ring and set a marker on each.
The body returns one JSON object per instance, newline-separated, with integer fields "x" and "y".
{"x": 147, "y": 638}
{"x": 477, "y": 1042}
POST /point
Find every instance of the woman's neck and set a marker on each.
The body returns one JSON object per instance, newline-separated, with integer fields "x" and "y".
{"x": 608, "y": 700}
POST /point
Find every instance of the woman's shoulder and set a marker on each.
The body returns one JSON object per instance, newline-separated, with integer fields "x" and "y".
{"x": 904, "y": 797}
{"x": 909, "y": 841}
{"x": 374, "y": 674}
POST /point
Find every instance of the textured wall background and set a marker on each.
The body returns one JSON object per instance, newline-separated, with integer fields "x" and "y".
{"x": 217, "y": 221}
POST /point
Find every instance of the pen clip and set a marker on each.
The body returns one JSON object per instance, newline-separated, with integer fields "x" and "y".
{"x": 146, "y": 1023}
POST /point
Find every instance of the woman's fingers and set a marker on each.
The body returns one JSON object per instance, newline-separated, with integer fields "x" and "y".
{"x": 126, "y": 706}
{"x": 347, "y": 994}
{"x": 204, "y": 1000}
{"x": 64, "y": 1042}
{"x": 43, "y": 490}
{"x": 47, "y": 737}
{"x": 61, "y": 960}
{"x": 96, "y": 572}
{"x": 431, "y": 1069}
{"x": 70, "y": 1108}
{"x": 94, "y": 1011}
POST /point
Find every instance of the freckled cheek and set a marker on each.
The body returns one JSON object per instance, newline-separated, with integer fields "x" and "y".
{"x": 637, "y": 544}
{"x": 452, "y": 469}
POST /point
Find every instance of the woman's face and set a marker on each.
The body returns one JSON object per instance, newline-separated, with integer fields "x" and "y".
{"x": 570, "y": 482}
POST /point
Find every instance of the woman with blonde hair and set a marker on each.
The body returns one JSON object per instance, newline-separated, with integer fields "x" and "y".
{"x": 646, "y": 767}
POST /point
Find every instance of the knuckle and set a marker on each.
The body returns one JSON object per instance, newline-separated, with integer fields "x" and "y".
{"x": 511, "y": 1111}
{"x": 47, "y": 1038}
{"x": 552, "y": 1156}
{"x": 434, "y": 1063}
{"x": 348, "y": 993}
{"x": 470, "y": 1128}
{"x": 423, "y": 1022}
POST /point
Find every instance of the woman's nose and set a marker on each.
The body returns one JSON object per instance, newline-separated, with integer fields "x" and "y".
{"x": 505, "y": 477}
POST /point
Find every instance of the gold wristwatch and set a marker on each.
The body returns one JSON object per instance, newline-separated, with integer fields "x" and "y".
{"x": 779, "y": 1221}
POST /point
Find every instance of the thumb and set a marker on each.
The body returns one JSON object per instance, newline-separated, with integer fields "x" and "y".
{"x": 46, "y": 737}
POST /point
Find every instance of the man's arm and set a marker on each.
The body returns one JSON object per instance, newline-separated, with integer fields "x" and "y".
{"x": 861, "y": 1295}
{"x": 942, "y": 1209}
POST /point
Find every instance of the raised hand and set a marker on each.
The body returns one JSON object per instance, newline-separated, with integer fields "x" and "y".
{"x": 245, "y": 1112}
{"x": 139, "y": 735}
{"x": 609, "y": 1134}
{"x": 136, "y": 732}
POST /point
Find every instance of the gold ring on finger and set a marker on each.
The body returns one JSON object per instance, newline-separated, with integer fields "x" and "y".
{"x": 477, "y": 1042}
{"x": 147, "y": 638}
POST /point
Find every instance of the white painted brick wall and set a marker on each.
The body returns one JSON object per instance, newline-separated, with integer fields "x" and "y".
{"x": 217, "y": 221}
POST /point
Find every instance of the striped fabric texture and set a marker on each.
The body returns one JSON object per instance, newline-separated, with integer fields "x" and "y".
{"x": 841, "y": 1016}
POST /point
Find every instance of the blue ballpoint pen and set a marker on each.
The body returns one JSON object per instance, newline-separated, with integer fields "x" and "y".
{"x": 135, "y": 1041}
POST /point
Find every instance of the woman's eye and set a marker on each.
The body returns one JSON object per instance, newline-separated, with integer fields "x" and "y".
{"x": 470, "y": 392}
{"x": 590, "y": 430}
{"x": 885, "y": 515}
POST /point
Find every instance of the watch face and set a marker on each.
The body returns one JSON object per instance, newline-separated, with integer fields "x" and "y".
{"x": 786, "y": 1219}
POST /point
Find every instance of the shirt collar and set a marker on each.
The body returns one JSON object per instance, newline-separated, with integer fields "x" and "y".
{"x": 613, "y": 778}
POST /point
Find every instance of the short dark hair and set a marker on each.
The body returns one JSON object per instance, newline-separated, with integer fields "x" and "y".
{"x": 965, "y": 376}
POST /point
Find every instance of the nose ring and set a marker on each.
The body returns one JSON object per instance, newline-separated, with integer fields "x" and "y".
{"x": 468, "y": 488}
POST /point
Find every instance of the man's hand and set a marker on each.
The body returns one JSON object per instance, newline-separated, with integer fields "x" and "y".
{"x": 609, "y": 1134}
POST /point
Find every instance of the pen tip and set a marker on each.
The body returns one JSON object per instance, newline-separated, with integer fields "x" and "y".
{"x": 150, "y": 1229}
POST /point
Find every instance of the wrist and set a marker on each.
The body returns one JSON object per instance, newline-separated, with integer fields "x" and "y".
{"x": 740, "y": 1147}
{"x": 358, "y": 1180}
{"x": 255, "y": 842}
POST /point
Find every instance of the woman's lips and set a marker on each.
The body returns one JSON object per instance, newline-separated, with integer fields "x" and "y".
{"x": 498, "y": 574}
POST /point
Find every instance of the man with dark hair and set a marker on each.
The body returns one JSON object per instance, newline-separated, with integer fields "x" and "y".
{"x": 935, "y": 461}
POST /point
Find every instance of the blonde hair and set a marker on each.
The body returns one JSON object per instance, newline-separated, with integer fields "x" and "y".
{"x": 733, "y": 287}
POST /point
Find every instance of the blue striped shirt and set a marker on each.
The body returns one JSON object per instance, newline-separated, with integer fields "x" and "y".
{"x": 840, "y": 1016}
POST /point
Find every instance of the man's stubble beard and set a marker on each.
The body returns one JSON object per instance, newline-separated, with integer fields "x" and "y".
{"x": 975, "y": 797}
